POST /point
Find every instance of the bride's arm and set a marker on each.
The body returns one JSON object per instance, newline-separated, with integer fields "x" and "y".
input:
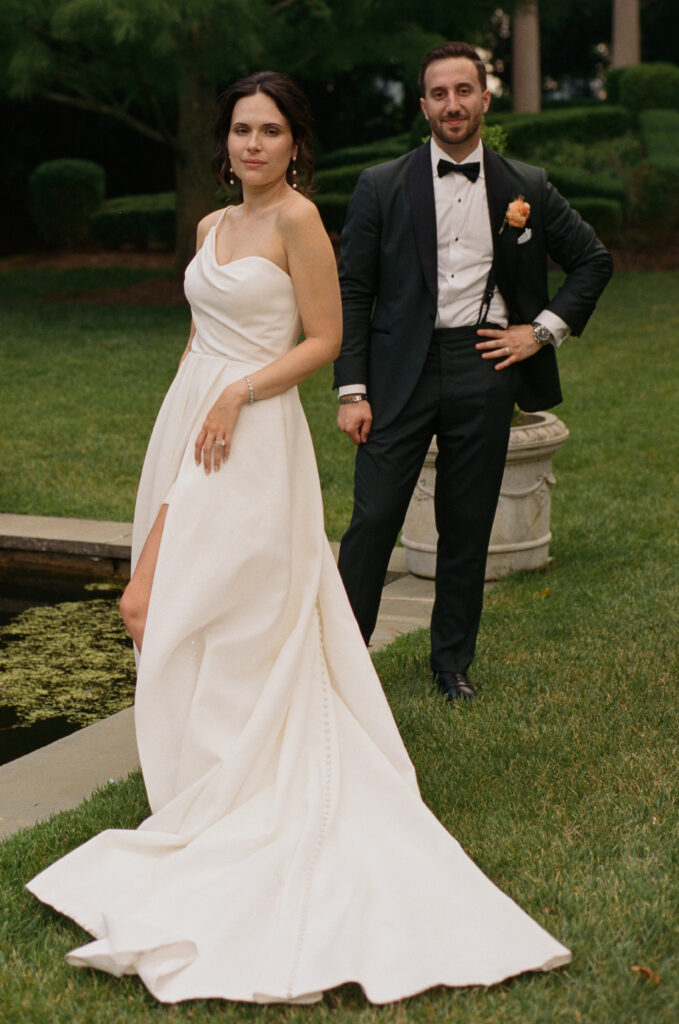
{"x": 312, "y": 267}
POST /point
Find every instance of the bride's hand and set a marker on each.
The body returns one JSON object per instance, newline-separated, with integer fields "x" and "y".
{"x": 213, "y": 443}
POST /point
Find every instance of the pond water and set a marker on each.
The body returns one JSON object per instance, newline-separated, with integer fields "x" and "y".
{"x": 65, "y": 661}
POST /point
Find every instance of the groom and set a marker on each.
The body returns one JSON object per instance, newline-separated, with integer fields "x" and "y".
{"x": 447, "y": 322}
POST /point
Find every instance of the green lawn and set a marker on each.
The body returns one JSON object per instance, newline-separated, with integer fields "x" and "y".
{"x": 561, "y": 781}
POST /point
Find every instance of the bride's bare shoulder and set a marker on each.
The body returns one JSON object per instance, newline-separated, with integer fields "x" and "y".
{"x": 298, "y": 215}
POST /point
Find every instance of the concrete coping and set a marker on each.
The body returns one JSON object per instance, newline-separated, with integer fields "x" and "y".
{"x": 92, "y": 537}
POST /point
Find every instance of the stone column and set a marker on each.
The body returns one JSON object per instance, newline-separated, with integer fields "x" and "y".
{"x": 626, "y": 34}
{"x": 526, "y": 75}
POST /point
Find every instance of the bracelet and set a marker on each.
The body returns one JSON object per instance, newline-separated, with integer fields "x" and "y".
{"x": 251, "y": 389}
{"x": 348, "y": 399}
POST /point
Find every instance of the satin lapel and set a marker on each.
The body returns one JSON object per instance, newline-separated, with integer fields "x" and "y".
{"x": 499, "y": 189}
{"x": 421, "y": 191}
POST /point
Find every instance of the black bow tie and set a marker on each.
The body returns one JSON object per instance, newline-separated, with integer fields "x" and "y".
{"x": 470, "y": 171}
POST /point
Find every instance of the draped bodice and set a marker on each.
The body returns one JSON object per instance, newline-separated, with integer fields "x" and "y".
{"x": 245, "y": 311}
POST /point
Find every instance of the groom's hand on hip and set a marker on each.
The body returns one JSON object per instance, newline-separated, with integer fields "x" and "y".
{"x": 355, "y": 420}
{"x": 510, "y": 346}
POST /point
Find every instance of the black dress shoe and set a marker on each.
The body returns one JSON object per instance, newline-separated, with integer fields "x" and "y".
{"x": 454, "y": 686}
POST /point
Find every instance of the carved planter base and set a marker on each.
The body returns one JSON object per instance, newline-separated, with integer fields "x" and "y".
{"x": 521, "y": 535}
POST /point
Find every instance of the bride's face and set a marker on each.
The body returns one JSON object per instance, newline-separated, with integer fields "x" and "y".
{"x": 260, "y": 142}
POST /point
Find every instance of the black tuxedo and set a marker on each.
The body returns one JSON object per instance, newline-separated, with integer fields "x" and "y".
{"x": 388, "y": 274}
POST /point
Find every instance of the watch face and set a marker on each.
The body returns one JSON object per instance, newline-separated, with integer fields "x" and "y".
{"x": 542, "y": 333}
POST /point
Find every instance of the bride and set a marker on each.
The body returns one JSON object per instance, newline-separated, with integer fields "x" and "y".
{"x": 288, "y": 850}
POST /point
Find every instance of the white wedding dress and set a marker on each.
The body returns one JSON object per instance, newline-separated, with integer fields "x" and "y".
{"x": 288, "y": 850}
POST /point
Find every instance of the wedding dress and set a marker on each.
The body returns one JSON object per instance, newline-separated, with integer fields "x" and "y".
{"x": 288, "y": 850}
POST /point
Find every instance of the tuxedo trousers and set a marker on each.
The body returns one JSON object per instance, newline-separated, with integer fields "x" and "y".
{"x": 467, "y": 403}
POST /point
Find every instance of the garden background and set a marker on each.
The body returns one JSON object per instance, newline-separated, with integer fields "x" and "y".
{"x": 561, "y": 781}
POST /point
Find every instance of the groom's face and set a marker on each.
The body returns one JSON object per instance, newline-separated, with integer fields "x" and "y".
{"x": 454, "y": 104}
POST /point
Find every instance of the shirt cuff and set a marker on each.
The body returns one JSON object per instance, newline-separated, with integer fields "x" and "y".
{"x": 557, "y": 327}
{"x": 351, "y": 389}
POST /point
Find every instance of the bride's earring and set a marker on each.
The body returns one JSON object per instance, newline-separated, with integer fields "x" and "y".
{"x": 294, "y": 172}
{"x": 232, "y": 180}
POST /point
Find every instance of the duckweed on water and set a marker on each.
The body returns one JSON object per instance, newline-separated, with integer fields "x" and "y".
{"x": 72, "y": 659}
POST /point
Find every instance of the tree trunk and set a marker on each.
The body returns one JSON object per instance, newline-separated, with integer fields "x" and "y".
{"x": 195, "y": 183}
{"x": 526, "y": 76}
{"x": 626, "y": 48}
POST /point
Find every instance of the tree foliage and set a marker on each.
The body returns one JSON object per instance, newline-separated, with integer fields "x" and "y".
{"x": 156, "y": 66}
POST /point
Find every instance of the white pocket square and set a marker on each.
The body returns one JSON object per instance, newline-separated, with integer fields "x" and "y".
{"x": 525, "y": 237}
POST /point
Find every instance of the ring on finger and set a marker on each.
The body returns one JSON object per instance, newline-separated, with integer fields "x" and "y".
{"x": 221, "y": 442}
{"x": 508, "y": 350}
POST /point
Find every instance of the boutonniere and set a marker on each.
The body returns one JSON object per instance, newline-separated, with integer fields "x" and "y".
{"x": 516, "y": 214}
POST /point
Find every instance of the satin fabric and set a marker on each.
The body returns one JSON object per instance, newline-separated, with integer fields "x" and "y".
{"x": 288, "y": 850}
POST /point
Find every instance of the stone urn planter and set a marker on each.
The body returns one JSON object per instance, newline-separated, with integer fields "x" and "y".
{"x": 521, "y": 534}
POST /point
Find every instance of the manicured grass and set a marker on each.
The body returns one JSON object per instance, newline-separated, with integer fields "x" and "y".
{"x": 560, "y": 781}
{"x": 82, "y": 384}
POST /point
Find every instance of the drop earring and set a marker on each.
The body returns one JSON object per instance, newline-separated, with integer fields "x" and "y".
{"x": 294, "y": 172}
{"x": 232, "y": 180}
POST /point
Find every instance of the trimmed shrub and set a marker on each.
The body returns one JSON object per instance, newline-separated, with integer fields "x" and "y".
{"x": 419, "y": 130}
{"x": 495, "y": 137}
{"x": 614, "y": 77}
{"x": 341, "y": 179}
{"x": 62, "y": 196}
{"x": 652, "y": 199}
{"x": 136, "y": 222}
{"x": 577, "y": 124}
{"x": 333, "y": 209}
{"x": 572, "y": 182}
{"x": 605, "y": 216}
{"x": 379, "y": 151}
{"x": 660, "y": 132}
{"x": 650, "y": 86}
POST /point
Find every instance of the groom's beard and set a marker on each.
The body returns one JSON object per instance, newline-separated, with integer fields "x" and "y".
{"x": 449, "y": 135}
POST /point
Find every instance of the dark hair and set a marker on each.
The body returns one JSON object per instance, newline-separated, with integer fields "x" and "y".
{"x": 454, "y": 50}
{"x": 293, "y": 105}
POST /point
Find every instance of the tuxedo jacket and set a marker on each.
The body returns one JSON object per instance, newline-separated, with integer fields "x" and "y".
{"x": 388, "y": 274}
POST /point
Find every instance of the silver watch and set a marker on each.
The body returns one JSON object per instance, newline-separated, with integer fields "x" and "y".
{"x": 348, "y": 399}
{"x": 542, "y": 334}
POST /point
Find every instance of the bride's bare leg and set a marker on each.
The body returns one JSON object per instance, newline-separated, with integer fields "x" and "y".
{"x": 134, "y": 604}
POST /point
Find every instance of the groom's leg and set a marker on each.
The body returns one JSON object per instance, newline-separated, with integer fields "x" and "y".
{"x": 472, "y": 436}
{"x": 387, "y": 468}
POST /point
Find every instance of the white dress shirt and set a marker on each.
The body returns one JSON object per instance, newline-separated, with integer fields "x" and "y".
{"x": 465, "y": 254}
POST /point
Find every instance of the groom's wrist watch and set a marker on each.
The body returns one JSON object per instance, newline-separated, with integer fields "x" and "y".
{"x": 348, "y": 399}
{"x": 542, "y": 334}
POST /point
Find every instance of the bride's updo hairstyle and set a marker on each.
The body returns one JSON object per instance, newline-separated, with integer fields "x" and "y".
{"x": 293, "y": 105}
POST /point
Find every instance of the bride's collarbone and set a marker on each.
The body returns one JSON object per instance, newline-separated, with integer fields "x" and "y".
{"x": 227, "y": 254}
{"x": 236, "y": 238}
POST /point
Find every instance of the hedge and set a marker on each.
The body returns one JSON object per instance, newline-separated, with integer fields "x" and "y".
{"x": 341, "y": 179}
{"x": 149, "y": 220}
{"x": 572, "y": 182}
{"x": 660, "y": 134}
{"x": 605, "y": 215}
{"x": 378, "y": 151}
{"x": 650, "y": 86}
{"x": 62, "y": 196}
{"x": 333, "y": 209}
{"x": 652, "y": 200}
{"x": 614, "y": 77}
{"x": 577, "y": 124}
{"x": 136, "y": 222}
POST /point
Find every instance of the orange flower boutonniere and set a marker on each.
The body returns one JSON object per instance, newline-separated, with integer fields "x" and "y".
{"x": 517, "y": 214}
